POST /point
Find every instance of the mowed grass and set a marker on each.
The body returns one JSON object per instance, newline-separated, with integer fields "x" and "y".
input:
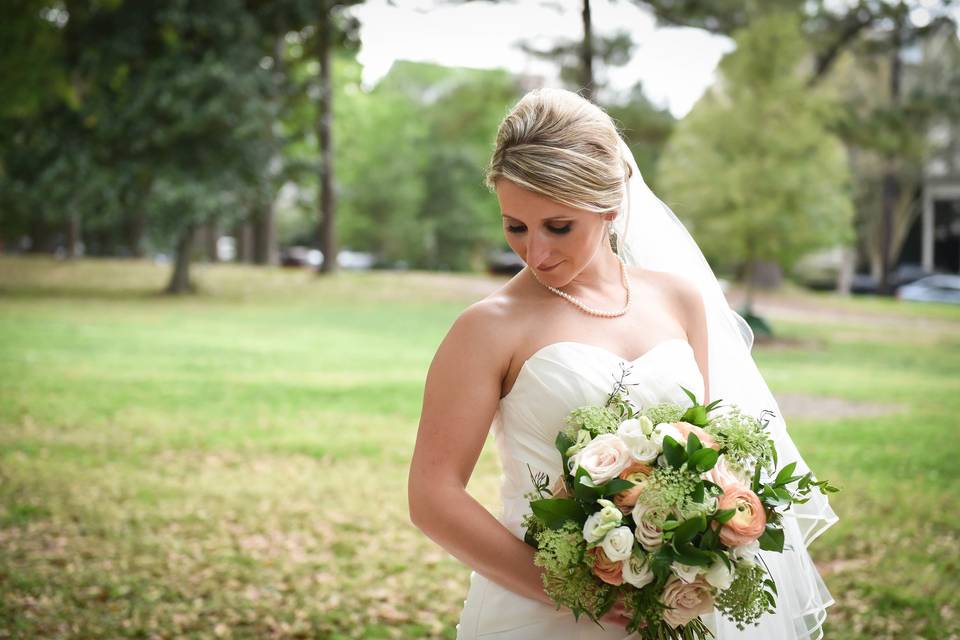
{"x": 234, "y": 464}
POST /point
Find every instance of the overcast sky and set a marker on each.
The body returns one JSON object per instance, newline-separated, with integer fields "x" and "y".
{"x": 675, "y": 65}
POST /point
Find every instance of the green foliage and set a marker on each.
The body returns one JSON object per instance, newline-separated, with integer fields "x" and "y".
{"x": 595, "y": 419}
{"x": 752, "y": 169}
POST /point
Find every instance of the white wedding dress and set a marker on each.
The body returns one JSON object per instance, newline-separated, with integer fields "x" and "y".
{"x": 562, "y": 376}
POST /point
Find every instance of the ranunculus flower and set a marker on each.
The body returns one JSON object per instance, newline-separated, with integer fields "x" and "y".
{"x": 618, "y": 543}
{"x": 686, "y": 600}
{"x": 636, "y": 473}
{"x": 600, "y": 523}
{"x": 685, "y": 429}
{"x": 636, "y": 571}
{"x": 748, "y": 523}
{"x": 603, "y": 458}
{"x": 610, "y": 571}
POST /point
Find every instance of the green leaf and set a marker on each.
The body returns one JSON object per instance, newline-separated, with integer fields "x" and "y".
{"x": 674, "y": 452}
{"x": 772, "y": 539}
{"x": 688, "y": 529}
{"x": 785, "y": 473}
{"x": 693, "y": 444}
{"x": 723, "y": 515}
{"x": 583, "y": 487}
{"x": 704, "y": 459}
{"x": 614, "y": 486}
{"x": 563, "y": 442}
{"x": 688, "y": 554}
{"x": 554, "y": 512}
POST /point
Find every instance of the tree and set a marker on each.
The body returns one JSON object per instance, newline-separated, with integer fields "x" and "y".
{"x": 752, "y": 168}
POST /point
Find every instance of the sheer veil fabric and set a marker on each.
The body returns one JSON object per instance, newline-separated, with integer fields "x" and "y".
{"x": 649, "y": 235}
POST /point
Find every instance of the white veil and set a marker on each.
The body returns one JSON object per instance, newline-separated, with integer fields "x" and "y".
{"x": 649, "y": 235}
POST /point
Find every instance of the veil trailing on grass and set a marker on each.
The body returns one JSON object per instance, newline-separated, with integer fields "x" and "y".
{"x": 649, "y": 235}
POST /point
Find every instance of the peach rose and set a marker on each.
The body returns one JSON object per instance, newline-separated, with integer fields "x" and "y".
{"x": 608, "y": 570}
{"x": 748, "y": 523}
{"x": 559, "y": 489}
{"x": 722, "y": 474}
{"x": 636, "y": 473}
{"x": 685, "y": 429}
{"x": 686, "y": 600}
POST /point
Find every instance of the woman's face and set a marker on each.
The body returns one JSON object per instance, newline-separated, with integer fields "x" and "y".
{"x": 555, "y": 240}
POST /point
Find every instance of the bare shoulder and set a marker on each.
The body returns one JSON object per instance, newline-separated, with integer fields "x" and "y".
{"x": 678, "y": 291}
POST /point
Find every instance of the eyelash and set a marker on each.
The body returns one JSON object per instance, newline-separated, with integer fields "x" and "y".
{"x": 557, "y": 230}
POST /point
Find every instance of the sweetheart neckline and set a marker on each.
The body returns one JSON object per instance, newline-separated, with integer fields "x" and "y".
{"x": 549, "y": 345}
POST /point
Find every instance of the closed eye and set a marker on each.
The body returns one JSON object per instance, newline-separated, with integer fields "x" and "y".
{"x": 557, "y": 230}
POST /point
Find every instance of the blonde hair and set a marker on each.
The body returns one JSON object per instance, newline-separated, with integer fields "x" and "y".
{"x": 562, "y": 146}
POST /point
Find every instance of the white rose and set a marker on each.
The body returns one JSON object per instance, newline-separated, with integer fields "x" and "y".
{"x": 666, "y": 429}
{"x": 648, "y": 534}
{"x": 600, "y": 523}
{"x": 686, "y": 572}
{"x": 719, "y": 575}
{"x": 745, "y": 552}
{"x": 636, "y": 571}
{"x": 618, "y": 543}
{"x": 604, "y": 458}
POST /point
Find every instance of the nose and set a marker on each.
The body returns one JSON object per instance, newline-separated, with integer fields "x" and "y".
{"x": 538, "y": 249}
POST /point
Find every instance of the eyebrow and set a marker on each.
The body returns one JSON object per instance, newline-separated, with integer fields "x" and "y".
{"x": 545, "y": 219}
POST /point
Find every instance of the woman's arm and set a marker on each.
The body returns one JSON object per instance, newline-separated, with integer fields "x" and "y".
{"x": 461, "y": 396}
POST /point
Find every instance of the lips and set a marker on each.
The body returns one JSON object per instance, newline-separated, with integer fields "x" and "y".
{"x": 551, "y": 268}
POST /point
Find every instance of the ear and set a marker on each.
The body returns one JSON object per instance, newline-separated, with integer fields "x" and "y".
{"x": 611, "y": 215}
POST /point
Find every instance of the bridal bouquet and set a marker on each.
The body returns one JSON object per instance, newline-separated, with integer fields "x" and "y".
{"x": 666, "y": 508}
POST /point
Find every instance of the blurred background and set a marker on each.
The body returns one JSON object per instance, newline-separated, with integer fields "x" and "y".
{"x": 232, "y": 234}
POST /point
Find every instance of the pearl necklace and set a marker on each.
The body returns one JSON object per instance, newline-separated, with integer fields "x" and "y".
{"x": 594, "y": 312}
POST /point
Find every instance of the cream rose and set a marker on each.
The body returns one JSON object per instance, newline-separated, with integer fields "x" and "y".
{"x": 603, "y": 458}
{"x": 746, "y": 552}
{"x": 686, "y": 600}
{"x": 636, "y": 571}
{"x": 618, "y": 543}
{"x": 648, "y": 533}
{"x": 686, "y": 572}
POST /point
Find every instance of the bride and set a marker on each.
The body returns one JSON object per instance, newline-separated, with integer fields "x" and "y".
{"x": 612, "y": 280}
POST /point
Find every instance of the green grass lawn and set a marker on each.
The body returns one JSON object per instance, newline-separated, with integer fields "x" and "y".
{"x": 207, "y": 466}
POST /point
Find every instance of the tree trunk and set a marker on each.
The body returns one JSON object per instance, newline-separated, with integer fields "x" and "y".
{"x": 208, "y": 239}
{"x": 73, "y": 236}
{"x": 264, "y": 235}
{"x": 327, "y": 240}
{"x": 890, "y": 183}
{"x": 586, "y": 53}
{"x": 180, "y": 279}
{"x": 41, "y": 235}
{"x": 243, "y": 233}
{"x": 134, "y": 228}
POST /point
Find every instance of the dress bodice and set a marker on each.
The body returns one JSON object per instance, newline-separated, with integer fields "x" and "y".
{"x": 562, "y": 376}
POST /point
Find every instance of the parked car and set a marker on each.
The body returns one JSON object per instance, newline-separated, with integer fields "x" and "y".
{"x": 940, "y": 287}
{"x": 903, "y": 274}
{"x": 504, "y": 262}
{"x": 307, "y": 257}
